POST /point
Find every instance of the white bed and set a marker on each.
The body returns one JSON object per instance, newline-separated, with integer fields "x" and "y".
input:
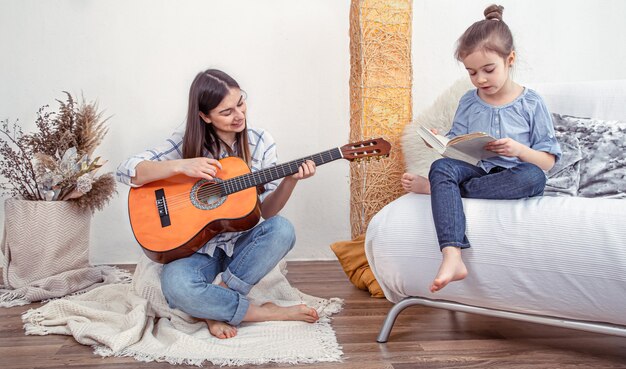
{"x": 551, "y": 260}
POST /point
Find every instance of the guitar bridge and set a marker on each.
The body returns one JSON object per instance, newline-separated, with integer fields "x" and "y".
{"x": 161, "y": 203}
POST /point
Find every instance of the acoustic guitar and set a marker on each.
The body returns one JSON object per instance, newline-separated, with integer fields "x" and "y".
{"x": 174, "y": 217}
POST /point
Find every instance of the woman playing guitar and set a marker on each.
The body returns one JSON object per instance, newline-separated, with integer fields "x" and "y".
{"x": 216, "y": 128}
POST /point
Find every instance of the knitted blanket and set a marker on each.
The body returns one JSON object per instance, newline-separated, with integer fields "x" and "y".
{"x": 134, "y": 320}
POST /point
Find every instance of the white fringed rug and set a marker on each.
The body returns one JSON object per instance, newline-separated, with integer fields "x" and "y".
{"x": 134, "y": 320}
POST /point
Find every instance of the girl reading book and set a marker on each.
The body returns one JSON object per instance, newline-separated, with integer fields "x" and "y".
{"x": 525, "y": 144}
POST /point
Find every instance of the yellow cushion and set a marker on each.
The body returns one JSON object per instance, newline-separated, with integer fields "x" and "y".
{"x": 351, "y": 255}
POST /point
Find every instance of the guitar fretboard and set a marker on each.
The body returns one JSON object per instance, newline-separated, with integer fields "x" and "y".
{"x": 267, "y": 175}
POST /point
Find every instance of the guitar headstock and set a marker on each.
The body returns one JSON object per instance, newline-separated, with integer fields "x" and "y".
{"x": 376, "y": 147}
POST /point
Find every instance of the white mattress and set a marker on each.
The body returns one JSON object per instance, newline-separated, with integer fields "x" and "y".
{"x": 556, "y": 256}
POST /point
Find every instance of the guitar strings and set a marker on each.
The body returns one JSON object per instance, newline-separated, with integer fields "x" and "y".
{"x": 239, "y": 183}
{"x": 235, "y": 184}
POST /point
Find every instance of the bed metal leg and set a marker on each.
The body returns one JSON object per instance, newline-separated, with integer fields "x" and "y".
{"x": 393, "y": 314}
{"x": 594, "y": 327}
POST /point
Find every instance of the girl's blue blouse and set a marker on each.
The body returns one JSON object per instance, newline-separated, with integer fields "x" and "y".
{"x": 525, "y": 120}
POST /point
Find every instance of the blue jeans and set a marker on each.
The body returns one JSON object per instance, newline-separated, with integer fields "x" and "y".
{"x": 451, "y": 180}
{"x": 187, "y": 282}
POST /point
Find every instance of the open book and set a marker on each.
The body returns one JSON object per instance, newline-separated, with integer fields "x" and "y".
{"x": 468, "y": 148}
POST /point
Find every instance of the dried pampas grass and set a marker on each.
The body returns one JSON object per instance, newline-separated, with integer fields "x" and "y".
{"x": 99, "y": 195}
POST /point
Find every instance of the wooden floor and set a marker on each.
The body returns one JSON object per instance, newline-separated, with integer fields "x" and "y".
{"x": 422, "y": 337}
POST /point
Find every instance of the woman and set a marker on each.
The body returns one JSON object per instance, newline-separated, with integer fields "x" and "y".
{"x": 216, "y": 127}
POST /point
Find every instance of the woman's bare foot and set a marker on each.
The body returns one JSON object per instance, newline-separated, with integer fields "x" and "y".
{"x": 221, "y": 330}
{"x": 270, "y": 311}
{"x": 414, "y": 183}
{"x": 452, "y": 268}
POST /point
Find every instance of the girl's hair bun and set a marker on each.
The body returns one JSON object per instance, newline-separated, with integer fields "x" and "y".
{"x": 494, "y": 12}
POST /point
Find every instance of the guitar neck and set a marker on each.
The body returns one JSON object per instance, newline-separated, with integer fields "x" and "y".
{"x": 267, "y": 175}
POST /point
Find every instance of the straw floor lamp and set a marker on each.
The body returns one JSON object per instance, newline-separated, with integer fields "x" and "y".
{"x": 380, "y": 100}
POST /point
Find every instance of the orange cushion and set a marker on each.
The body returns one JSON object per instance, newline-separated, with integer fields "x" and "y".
{"x": 351, "y": 255}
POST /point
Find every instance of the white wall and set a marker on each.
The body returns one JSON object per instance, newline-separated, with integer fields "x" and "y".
{"x": 138, "y": 58}
{"x": 556, "y": 41}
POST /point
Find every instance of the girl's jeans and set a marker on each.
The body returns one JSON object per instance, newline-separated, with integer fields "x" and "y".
{"x": 451, "y": 179}
{"x": 187, "y": 282}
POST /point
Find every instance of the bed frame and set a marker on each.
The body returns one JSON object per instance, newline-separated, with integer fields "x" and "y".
{"x": 393, "y": 313}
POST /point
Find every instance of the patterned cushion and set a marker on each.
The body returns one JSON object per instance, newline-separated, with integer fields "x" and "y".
{"x": 602, "y": 146}
{"x": 564, "y": 177}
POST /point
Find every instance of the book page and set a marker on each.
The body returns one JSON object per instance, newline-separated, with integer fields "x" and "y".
{"x": 453, "y": 153}
{"x": 469, "y": 136}
{"x": 437, "y": 142}
{"x": 471, "y": 148}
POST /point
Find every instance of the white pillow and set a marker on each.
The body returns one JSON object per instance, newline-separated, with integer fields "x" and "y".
{"x": 590, "y": 99}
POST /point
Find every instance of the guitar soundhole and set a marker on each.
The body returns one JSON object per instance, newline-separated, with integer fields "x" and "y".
{"x": 207, "y": 195}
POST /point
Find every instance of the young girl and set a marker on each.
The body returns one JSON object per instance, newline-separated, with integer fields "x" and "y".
{"x": 216, "y": 128}
{"x": 526, "y": 145}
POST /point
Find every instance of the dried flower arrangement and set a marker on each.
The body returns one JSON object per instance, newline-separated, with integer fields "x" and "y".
{"x": 55, "y": 163}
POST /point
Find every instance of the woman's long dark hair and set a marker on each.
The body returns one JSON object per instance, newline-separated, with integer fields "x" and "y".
{"x": 207, "y": 90}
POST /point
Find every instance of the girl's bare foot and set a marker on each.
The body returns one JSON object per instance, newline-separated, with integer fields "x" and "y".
{"x": 414, "y": 183}
{"x": 270, "y": 311}
{"x": 452, "y": 268}
{"x": 221, "y": 330}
